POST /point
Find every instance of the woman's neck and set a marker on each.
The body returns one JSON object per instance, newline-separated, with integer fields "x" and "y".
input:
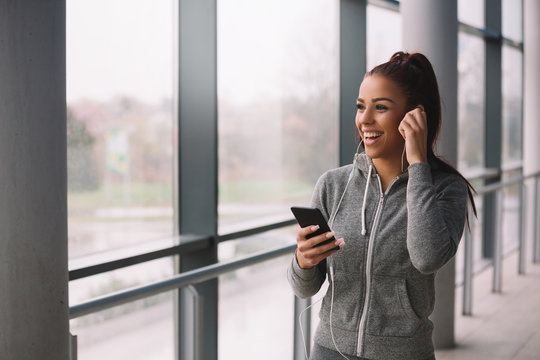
{"x": 388, "y": 170}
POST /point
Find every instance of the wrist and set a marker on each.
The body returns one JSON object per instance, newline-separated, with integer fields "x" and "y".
{"x": 301, "y": 263}
{"x": 417, "y": 160}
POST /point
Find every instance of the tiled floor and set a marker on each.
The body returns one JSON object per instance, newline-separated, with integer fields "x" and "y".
{"x": 503, "y": 326}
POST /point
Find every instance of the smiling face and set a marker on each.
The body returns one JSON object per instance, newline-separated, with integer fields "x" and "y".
{"x": 381, "y": 107}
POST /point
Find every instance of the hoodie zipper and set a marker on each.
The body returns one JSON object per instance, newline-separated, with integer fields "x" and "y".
{"x": 369, "y": 258}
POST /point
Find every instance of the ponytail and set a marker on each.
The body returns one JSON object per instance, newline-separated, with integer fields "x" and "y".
{"x": 414, "y": 75}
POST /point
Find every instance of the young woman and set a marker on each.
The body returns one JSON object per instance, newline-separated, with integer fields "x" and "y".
{"x": 397, "y": 212}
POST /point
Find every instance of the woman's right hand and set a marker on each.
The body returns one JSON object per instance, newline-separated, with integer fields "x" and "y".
{"x": 308, "y": 254}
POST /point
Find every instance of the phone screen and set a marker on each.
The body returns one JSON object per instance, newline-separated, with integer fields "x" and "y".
{"x": 307, "y": 216}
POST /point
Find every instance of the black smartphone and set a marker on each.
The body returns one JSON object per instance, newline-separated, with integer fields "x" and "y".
{"x": 307, "y": 216}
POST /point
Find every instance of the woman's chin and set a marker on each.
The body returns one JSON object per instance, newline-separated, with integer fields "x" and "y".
{"x": 371, "y": 153}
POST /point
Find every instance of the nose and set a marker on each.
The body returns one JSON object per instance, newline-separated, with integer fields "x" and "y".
{"x": 364, "y": 117}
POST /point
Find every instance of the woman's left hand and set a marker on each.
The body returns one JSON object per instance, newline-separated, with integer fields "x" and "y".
{"x": 413, "y": 128}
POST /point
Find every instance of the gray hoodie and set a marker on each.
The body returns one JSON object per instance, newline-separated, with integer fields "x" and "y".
{"x": 384, "y": 280}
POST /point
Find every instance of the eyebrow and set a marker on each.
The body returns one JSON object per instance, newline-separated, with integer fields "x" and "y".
{"x": 377, "y": 99}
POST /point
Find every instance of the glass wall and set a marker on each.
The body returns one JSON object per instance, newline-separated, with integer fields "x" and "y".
{"x": 277, "y": 106}
{"x": 512, "y": 106}
{"x": 512, "y": 117}
{"x": 141, "y": 329}
{"x": 471, "y": 12}
{"x": 120, "y": 98}
{"x": 512, "y": 19}
{"x": 383, "y": 35}
{"x": 120, "y": 125}
{"x": 471, "y": 98}
{"x": 278, "y": 92}
{"x": 256, "y": 304}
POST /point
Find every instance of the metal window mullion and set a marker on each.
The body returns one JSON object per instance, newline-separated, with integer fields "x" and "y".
{"x": 468, "y": 271}
{"x": 197, "y": 160}
{"x": 522, "y": 226}
{"x": 536, "y": 213}
{"x": 492, "y": 120}
{"x": 352, "y": 67}
{"x": 498, "y": 243}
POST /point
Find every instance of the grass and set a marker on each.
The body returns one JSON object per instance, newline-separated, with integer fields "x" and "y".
{"x": 161, "y": 194}
{"x": 262, "y": 191}
{"x": 139, "y": 194}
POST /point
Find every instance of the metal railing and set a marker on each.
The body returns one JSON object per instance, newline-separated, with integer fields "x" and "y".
{"x": 176, "y": 282}
{"x": 496, "y": 261}
{"x": 188, "y": 279}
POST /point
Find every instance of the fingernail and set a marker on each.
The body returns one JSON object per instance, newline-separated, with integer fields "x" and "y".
{"x": 329, "y": 235}
{"x": 313, "y": 228}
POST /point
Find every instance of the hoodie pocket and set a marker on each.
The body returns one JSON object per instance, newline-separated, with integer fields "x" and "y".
{"x": 390, "y": 312}
{"x": 346, "y": 310}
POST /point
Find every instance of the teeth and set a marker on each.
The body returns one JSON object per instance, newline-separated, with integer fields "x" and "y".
{"x": 372, "y": 134}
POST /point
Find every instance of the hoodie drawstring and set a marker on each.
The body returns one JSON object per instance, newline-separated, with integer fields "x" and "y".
{"x": 364, "y": 201}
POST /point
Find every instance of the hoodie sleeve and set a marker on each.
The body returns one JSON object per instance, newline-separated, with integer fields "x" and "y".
{"x": 435, "y": 217}
{"x": 307, "y": 282}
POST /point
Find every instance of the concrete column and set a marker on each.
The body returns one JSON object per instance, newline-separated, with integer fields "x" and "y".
{"x": 431, "y": 27}
{"x": 33, "y": 226}
{"x": 531, "y": 106}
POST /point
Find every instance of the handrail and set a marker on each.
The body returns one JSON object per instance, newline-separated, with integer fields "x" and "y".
{"x": 255, "y": 230}
{"x": 499, "y": 185}
{"x": 188, "y": 244}
{"x": 391, "y": 5}
{"x": 184, "y": 279}
{"x": 214, "y": 270}
{"x": 480, "y": 173}
{"x": 496, "y": 261}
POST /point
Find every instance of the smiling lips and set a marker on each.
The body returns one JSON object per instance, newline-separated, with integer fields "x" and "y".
{"x": 370, "y": 137}
{"x": 372, "y": 134}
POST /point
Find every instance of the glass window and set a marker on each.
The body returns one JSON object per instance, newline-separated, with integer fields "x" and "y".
{"x": 383, "y": 35}
{"x": 120, "y": 59}
{"x": 510, "y": 224}
{"x": 512, "y": 107}
{"x": 255, "y": 295}
{"x": 120, "y": 99}
{"x": 471, "y": 12}
{"x": 512, "y": 19}
{"x": 277, "y": 106}
{"x": 140, "y": 330}
{"x": 471, "y": 94}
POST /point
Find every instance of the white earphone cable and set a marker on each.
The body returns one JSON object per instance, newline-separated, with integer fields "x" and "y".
{"x": 302, "y": 328}
{"x": 330, "y": 223}
{"x": 331, "y": 311}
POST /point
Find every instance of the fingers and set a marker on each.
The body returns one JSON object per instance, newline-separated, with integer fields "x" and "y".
{"x": 305, "y": 231}
{"x": 416, "y": 118}
{"x": 310, "y": 252}
{"x": 413, "y": 128}
{"x": 413, "y": 122}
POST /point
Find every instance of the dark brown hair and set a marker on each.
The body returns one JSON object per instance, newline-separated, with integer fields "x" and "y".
{"x": 414, "y": 75}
